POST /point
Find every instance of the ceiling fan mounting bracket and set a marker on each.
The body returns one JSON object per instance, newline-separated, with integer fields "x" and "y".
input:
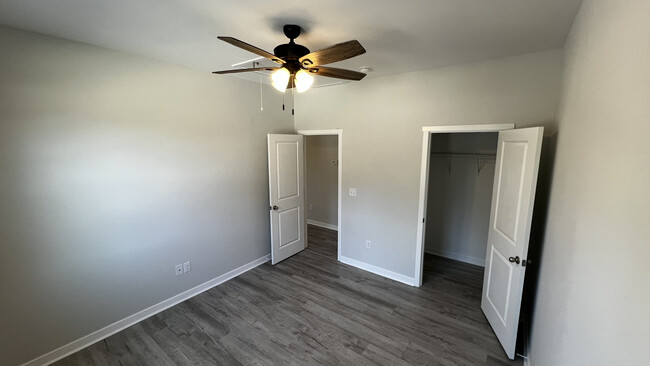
{"x": 292, "y": 31}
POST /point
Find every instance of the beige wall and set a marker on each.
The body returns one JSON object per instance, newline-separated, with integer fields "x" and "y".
{"x": 592, "y": 304}
{"x": 322, "y": 179}
{"x": 113, "y": 169}
{"x": 382, "y": 123}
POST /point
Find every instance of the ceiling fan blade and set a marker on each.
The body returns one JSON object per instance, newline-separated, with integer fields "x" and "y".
{"x": 250, "y": 48}
{"x": 333, "y": 72}
{"x": 338, "y": 52}
{"x": 234, "y": 71}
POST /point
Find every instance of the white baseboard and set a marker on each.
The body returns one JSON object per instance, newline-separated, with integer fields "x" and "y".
{"x": 322, "y": 224}
{"x": 526, "y": 335}
{"x": 457, "y": 257}
{"x": 119, "y": 325}
{"x": 379, "y": 271}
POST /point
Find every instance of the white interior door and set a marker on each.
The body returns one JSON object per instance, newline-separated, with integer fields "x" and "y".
{"x": 513, "y": 194}
{"x": 287, "y": 198}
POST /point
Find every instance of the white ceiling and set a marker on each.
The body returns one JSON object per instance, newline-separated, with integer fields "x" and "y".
{"x": 399, "y": 36}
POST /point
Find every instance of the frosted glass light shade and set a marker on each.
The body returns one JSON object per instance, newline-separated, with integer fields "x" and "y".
{"x": 303, "y": 81}
{"x": 280, "y": 79}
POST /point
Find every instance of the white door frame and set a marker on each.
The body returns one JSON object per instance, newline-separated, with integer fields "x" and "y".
{"x": 424, "y": 180}
{"x": 338, "y": 132}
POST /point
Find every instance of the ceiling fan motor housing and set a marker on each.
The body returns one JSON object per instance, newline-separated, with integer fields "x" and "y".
{"x": 291, "y": 52}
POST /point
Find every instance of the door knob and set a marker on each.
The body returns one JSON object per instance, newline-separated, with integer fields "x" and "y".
{"x": 274, "y": 208}
{"x": 514, "y": 259}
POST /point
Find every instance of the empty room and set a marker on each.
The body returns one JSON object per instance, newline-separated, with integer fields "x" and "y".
{"x": 431, "y": 182}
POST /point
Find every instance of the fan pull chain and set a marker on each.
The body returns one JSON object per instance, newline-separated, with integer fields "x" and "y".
{"x": 261, "y": 96}
{"x": 282, "y": 101}
{"x": 293, "y": 102}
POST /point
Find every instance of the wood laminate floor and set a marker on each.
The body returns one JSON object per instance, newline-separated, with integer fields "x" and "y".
{"x": 313, "y": 310}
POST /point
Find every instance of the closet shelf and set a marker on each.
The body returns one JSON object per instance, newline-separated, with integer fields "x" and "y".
{"x": 482, "y": 159}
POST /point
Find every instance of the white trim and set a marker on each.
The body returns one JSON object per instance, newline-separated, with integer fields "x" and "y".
{"x": 525, "y": 357}
{"x": 335, "y": 131}
{"x": 424, "y": 181}
{"x": 322, "y": 224}
{"x": 340, "y": 205}
{"x": 469, "y": 128}
{"x": 339, "y": 133}
{"x": 119, "y": 325}
{"x": 458, "y": 257}
{"x": 424, "y": 185}
{"x": 378, "y": 270}
{"x": 526, "y": 335}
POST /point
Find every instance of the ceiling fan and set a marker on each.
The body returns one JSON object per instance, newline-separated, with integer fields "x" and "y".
{"x": 297, "y": 64}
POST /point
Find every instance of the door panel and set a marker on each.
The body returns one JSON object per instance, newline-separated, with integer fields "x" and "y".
{"x": 511, "y": 179}
{"x": 500, "y": 272}
{"x": 289, "y": 226}
{"x": 515, "y": 180}
{"x": 287, "y": 201}
{"x": 288, "y": 173}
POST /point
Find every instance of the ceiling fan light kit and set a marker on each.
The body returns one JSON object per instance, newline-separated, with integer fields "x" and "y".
{"x": 303, "y": 81}
{"x": 280, "y": 79}
{"x": 297, "y": 64}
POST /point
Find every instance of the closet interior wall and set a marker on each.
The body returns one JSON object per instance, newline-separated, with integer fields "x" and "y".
{"x": 461, "y": 175}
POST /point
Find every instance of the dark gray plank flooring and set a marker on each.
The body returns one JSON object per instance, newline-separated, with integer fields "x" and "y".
{"x": 312, "y": 310}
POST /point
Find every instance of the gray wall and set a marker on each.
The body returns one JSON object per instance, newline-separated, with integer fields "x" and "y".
{"x": 458, "y": 202}
{"x": 322, "y": 179}
{"x": 592, "y": 304}
{"x": 382, "y": 121}
{"x": 114, "y": 168}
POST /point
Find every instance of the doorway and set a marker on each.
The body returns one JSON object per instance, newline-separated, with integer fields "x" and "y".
{"x": 461, "y": 174}
{"x": 511, "y": 207}
{"x": 323, "y": 167}
{"x": 427, "y": 148}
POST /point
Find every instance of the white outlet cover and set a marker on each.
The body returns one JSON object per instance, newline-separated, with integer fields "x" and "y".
{"x": 179, "y": 269}
{"x": 187, "y": 266}
{"x": 353, "y": 192}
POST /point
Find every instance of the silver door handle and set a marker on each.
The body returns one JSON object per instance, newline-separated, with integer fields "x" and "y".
{"x": 514, "y": 259}
{"x": 274, "y": 208}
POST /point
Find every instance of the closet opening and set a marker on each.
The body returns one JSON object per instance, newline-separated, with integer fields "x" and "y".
{"x": 459, "y": 195}
{"x": 322, "y": 191}
{"x": 456, "y": 178}
{"x": 477, "y": 193}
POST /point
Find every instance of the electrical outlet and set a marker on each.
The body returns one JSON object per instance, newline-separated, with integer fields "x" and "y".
{"x": 353, "y": 192}
{"x": 187, "y": 266}
{"x": 179, "y": 269}
{"x": 368, "y": 244}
